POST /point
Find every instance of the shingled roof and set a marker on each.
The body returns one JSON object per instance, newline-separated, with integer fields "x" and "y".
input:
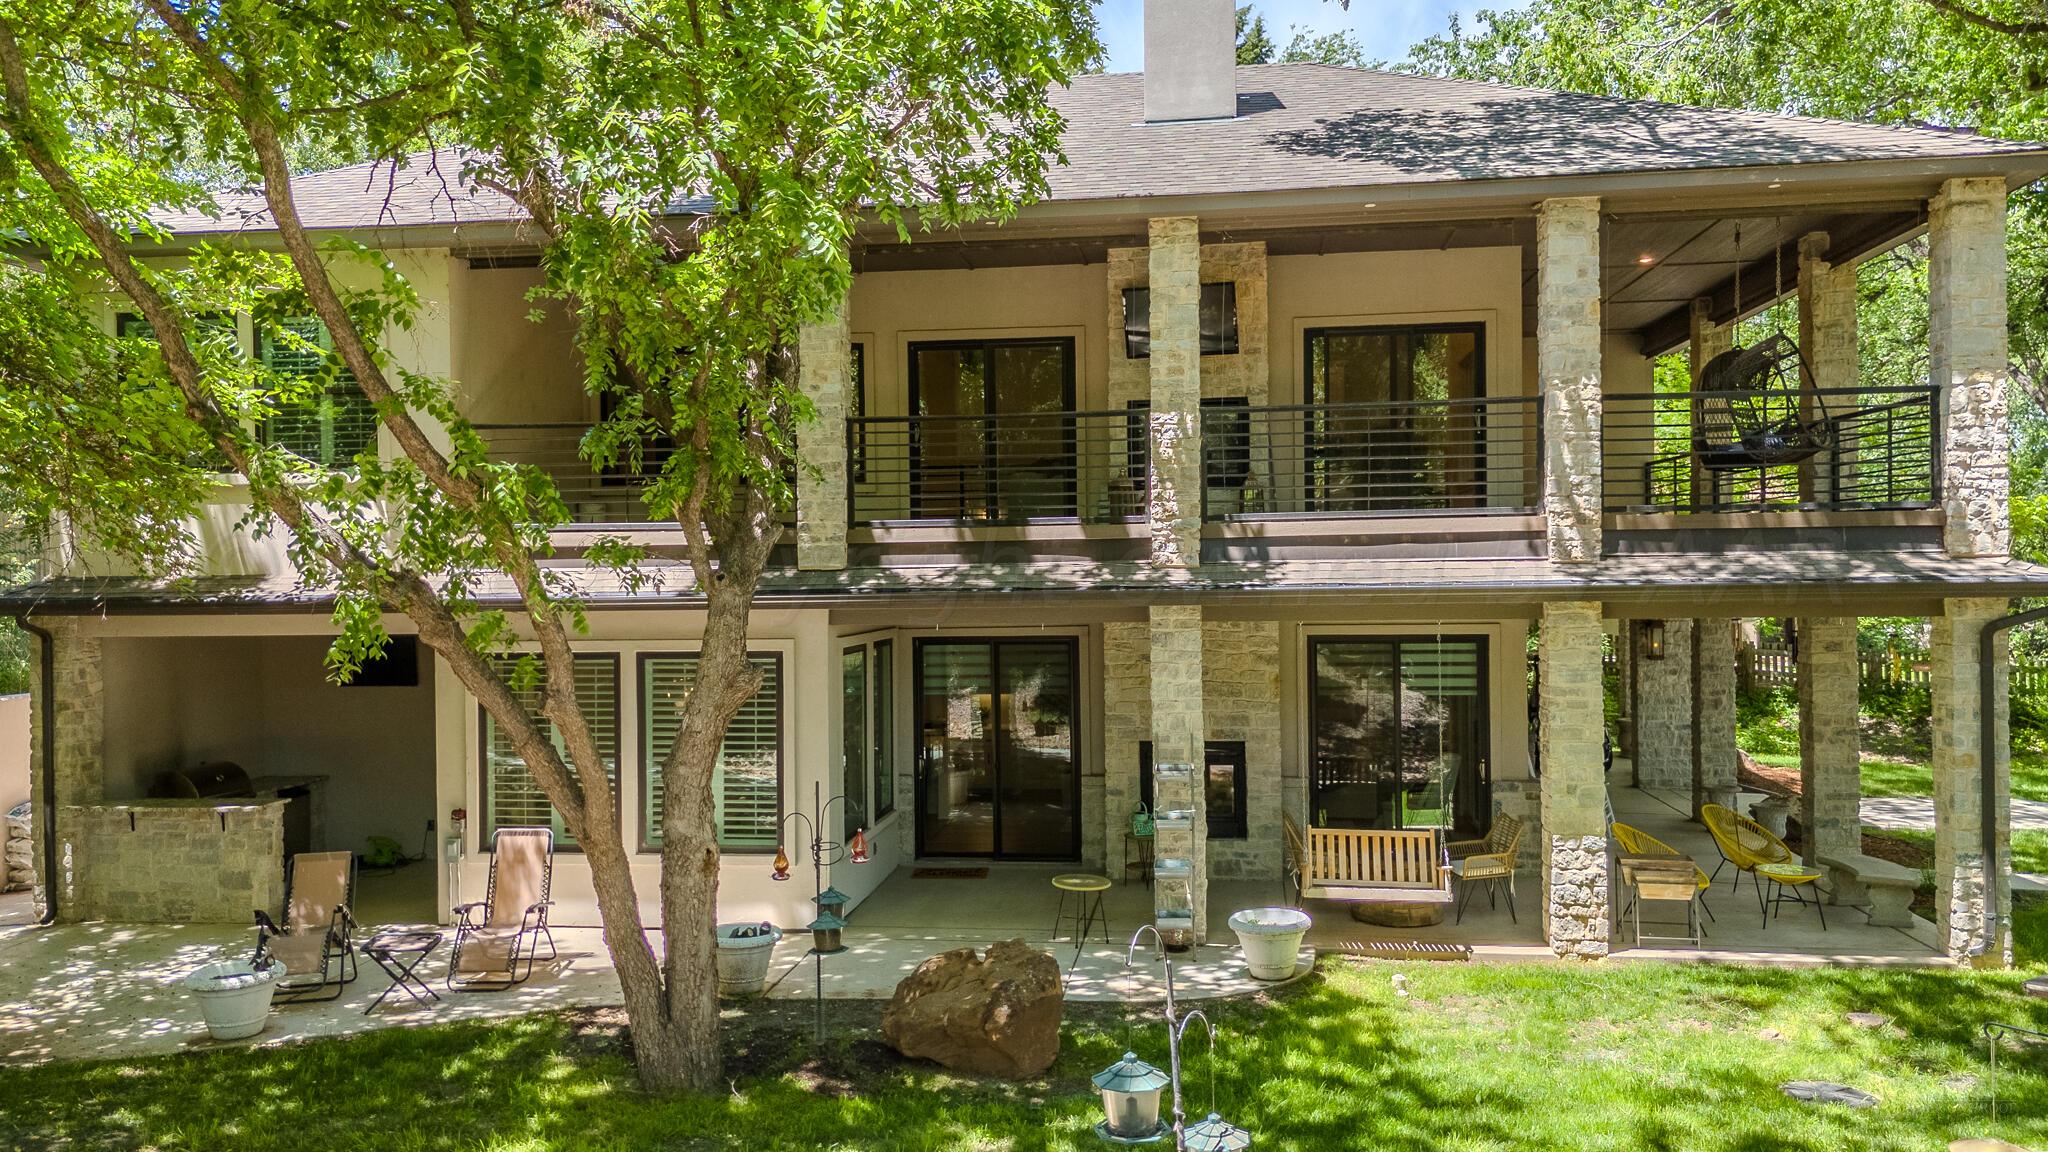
{"x": 1299, "y": 127}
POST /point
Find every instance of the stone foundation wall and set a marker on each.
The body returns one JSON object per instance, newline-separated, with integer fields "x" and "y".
{"x": 1574, "y": 840}
{"x": 1964, "y": 888}
{"x": 1713, "y": 719}
{"x": 171, "y": 861}
{"x": 1830, "y": 745}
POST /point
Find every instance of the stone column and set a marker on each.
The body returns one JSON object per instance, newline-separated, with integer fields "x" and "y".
{"x": 1966, "y": 885}
{"x": 79, "y": 687}
{"x": 1574, "y": 840}
{"x": 1177, "y": 734}
{"x": 1664, "y": 699}
{"x": 825, "y": 376}
{"x": 1967, "y": 358}
{"x": 1708, "y": 341}
{"x": 1714, "y": 758}
{"x": 1830, "y": 747}
{"x": 1568, "y": 372}
{"x": 1827, "y": 341}
{"x": 1174, "y": 500}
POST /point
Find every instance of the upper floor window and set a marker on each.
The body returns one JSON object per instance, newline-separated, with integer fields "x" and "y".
{"x": 1378, "y": 365}
{"x": 335, "y": 422}
{"x": 1219, "y": 321}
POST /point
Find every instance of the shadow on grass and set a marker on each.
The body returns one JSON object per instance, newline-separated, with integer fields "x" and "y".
{"x": 1531, "y": 1056}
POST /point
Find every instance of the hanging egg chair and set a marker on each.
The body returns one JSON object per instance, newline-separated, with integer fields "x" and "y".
{"x": 1758, "y": 407}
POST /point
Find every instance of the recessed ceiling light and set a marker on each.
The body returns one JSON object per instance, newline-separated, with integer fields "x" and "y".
{"x": 1646, "y": 258}
{"x": 1374, "y": 205}
{"x": 1775, "y": 184}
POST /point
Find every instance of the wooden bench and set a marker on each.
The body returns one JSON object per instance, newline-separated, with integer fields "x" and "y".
{"x": 1883, "y": 890}
{"x": 1367, "y": 866}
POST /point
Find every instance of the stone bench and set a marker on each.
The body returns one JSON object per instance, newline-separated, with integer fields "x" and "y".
{"x": 1883, "y": 890}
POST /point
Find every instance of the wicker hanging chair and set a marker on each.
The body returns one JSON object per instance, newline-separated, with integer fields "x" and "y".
{"x": 1750, "y": 405}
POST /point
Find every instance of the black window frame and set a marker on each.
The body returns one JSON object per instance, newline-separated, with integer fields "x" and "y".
{"x": 1485, "y": 643}
{"x": 1138, "y": 337}
{"x": 1070, "y": 367}
{"x": 1475, "y": 328}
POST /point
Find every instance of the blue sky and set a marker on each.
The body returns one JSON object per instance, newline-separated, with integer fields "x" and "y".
{"x": 1385, "y": 27}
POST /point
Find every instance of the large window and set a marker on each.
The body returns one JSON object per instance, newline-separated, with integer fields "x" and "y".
{"x": 867, "y": 744}
{"x": 1218, "y": 318}
{"x": 746, "y": 788}
{"x": 1398, "y": 733}
{"x": 330, "y": 422}
{"x": 1396, "y": 423}
{"x": 511, "y": 798}
{"x": 994, "y": 441}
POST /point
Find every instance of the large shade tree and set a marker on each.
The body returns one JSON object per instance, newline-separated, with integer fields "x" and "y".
{"x": 691, "y": 175}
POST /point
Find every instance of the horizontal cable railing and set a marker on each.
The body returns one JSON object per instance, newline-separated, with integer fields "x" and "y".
{"x": 595, "y": 496}
{"x": 1475, "y": 455}
{"x": 1010, "y": 468}
{"x": 1689, "y": 452}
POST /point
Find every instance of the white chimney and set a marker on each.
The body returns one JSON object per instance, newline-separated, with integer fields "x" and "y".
{"x": 1190, "y": 59}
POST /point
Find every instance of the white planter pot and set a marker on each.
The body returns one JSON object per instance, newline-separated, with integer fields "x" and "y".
{"x": 743, "y": 960}
{"x": 234, "y": 997}
{"x": 1271, "y": 939}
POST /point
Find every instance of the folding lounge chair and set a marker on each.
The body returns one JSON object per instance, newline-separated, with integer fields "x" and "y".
{"x": 316, "y": 944}
{"x": 498, "y": 939}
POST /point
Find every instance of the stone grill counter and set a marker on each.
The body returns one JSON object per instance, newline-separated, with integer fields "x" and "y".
{"x": 171, "y": 861}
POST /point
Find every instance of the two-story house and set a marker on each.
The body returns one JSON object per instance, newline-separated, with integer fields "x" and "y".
{"x": 1305, "y": 433}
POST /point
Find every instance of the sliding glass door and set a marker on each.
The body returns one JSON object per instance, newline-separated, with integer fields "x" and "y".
{"x": 993, "y": 438}
{"x": 997, "y": 772}
{"x": 1398, "y": 733}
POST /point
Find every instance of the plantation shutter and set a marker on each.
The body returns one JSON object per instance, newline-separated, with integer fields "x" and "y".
{"x": 746, "y": 788}
{"x": 511, "y": 797}
{"x": 334, "y": 424}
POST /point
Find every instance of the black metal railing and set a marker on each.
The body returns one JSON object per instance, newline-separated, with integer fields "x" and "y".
{"x": 1784, "y": 450}
{"x": 608, "y": 495}
{"x": 1477, "y": 455}
{"x": 1006, "y": 469}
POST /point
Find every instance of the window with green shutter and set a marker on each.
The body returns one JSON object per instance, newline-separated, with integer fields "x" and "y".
{"x": 511, "y": 798}
{"x": 746, "y": 789}
{"x": 336, "y": 423}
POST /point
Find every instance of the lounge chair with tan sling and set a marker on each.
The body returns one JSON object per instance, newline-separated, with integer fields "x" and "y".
{"x": 316, "y": 943}
{"x": 497, "y": 940}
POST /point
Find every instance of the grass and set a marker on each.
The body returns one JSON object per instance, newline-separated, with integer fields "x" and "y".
{"x": 1914, "y": 776}
{"x": 1474, "y": 1057}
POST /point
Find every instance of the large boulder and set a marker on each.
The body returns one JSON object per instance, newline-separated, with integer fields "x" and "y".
{"x": 998, "y": 1016}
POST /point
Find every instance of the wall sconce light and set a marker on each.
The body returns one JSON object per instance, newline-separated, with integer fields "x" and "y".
{"x": 1653, "y": 639}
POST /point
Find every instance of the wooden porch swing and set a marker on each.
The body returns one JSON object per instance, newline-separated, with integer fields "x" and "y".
{"x": 1750, "y": 407}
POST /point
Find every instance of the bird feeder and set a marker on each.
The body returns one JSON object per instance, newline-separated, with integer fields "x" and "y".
{"x": 1130, "y": 1102}
{"x": 1215, "y": 1134}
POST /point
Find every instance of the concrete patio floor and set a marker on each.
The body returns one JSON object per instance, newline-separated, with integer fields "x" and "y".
{"x": 82, "y": 991}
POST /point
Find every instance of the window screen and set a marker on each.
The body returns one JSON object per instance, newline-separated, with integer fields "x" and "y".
{"x": 746, "y": 789}
{"x": 335, "y": 424}
{"x": 511, "y": 798}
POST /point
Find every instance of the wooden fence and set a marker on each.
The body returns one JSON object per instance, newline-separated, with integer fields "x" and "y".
{"x": 1774, "y": 666}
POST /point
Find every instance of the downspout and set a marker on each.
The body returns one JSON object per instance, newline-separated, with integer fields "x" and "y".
{"x": 1987, "y": 711}
{"x": 46, "y": 811}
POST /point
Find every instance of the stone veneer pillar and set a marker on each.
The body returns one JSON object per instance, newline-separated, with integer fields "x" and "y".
{"x": 1714, "y": 758}
{"x": 1830, "y": 748}
{"x": 825, "y": 377}
{"x": 1568, "y": 373}
{"x": 1827, "y": 335}
{"x": 1574, "y": 840}
{"x": 1174, "y": 491}
{"x": 1967, "y": 360}
{"x": 1708, "y": 341}
{"x": 1664, "y": 702}
{"x": 80, "y": 728}
{"x": 1966, "y": 885}
{"x": 1177, "y": 734}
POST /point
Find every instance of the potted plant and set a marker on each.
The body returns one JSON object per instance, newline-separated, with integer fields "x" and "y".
{"x": 1271, "y": 939}
{"x": 743, "y": 954}
{"x": 234, "y": 995}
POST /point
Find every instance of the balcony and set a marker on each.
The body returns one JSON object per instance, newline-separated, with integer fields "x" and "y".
{"x": 1479, "y": 456}
{"x": 1009, "y": 468}
{"x": 594, "y": 496}
{"x": 1772, "y": 451}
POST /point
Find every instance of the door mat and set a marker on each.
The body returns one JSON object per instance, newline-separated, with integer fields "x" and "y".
{"x": 949, "y": 874}
{"x": 1389, "y": 950}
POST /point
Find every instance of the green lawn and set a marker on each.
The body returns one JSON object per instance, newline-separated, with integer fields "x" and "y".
{"x": 1889, "y": 776}
{"x": 1521, "y": 1056}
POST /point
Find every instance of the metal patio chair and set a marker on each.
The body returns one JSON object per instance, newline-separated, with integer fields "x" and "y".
{"x": 316, "y": 943}
{"x": 497, "y": 939}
